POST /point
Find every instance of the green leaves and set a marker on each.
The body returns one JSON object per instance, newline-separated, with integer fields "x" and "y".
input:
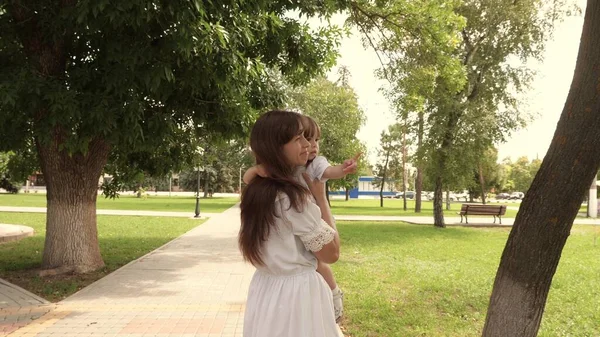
{"x": 447, "y": 64}
{"x": 136, "y": 73}
{"x": 336, "y": 110}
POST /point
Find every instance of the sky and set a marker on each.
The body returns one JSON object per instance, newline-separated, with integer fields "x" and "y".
{"x": 545, "y": 99}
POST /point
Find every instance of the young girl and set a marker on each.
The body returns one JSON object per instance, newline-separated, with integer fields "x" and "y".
{"x": 283, "y": 234}
{"x": 319, "y": 169}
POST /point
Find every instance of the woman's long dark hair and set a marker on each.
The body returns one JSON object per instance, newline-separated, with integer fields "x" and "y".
{"x": 270, "y": 133}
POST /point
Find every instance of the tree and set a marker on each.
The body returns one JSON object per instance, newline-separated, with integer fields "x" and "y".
{"x": 485, "y": 175}
{"x": 543, "y": 224}
{"x": 455, "y": 58}
{"x": 388, "y": 169}
{"x": 86, "y": 82}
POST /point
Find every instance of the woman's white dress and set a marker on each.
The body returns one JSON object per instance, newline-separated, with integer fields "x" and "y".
{"x": 287, "y": 297}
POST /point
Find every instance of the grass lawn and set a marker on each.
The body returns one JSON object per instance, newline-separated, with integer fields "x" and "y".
{"x": 128, "y": 202}
{"x": 122, "y": 239}
{"x": 395, "y": 207}
{"x": 410, "y": 280}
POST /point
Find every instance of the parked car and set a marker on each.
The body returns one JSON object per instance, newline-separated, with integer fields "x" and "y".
{"x": 409, "y": 195}
{"x": 516, "y": 196}
{"x": 502, "y": 196}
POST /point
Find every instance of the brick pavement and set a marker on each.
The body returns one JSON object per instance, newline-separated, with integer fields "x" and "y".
{"x": 19, "y": 307}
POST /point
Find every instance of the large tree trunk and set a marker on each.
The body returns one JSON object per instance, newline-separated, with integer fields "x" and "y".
{"x": 438, "y": 209}
{"x": 543, "y": 224}
{"x": 72, "y": 184}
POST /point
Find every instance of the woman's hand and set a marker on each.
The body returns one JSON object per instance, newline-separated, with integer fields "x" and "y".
{"x": 316, "y": 187}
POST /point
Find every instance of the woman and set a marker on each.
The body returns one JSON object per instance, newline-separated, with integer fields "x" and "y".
{"x": 282, "y": 235}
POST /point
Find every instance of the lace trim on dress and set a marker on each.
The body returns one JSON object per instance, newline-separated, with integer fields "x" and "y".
{"x": 319, "y": 237}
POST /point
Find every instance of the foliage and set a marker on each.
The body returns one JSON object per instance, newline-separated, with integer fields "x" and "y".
{"x": 519, "y": 175}
{"x": 490, "y": 169}
{"x": 457, "y": 71}
{"x": 334, "y": 106}
{"x": 147, "y": 80}
{"x": 7, "y": 181}
{"x": 389, "y": 166}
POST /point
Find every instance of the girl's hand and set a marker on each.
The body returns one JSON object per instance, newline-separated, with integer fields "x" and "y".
{"x": 350, "y": 165}
{"x": 316, "y": 187}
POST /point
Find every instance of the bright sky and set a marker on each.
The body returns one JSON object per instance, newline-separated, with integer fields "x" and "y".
{"x": 547, "y": 97}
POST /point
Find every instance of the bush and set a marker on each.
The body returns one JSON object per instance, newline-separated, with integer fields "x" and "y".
{"x": 8, "y": 186}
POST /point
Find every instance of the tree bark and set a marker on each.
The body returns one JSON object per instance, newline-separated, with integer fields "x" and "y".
{"x": 419, "y": 180}
{"x": 438, "y": 210}
{"x": 418, "y": 190}
{"x": 404, "y": 176}
{"x": 543, "y": 224}
{"x": 347, "y": 193}
{"x": 387, "y": 157}
{"x": 447, "y": 143}
{"x": 482, "y": 184}
{"x": 206, "y": 177}
{"x": 72, "y": 188}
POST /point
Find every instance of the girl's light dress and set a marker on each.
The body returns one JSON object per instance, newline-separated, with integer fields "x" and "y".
{"x": 287, "y": 297}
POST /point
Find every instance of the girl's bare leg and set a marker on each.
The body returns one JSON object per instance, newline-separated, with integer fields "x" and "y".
{"x": 338, "y": 296}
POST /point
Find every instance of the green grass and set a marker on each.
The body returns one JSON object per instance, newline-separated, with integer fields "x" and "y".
{"x": 122, "y": 239}
{"x": 395, "y": 207}
{"x": 410, "y": 280}
{"x": 126, "y": 202}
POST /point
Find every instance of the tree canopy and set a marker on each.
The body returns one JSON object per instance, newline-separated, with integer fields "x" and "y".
{"x": 86, "y": 83}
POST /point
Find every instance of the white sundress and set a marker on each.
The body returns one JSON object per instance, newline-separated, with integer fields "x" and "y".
{"x": 287, "y": 297}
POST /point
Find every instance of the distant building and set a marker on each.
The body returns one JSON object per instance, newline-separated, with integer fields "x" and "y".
{"x": 367, "y": 188}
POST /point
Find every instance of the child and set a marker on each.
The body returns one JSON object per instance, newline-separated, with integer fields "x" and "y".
{"x": 318, "y": 168}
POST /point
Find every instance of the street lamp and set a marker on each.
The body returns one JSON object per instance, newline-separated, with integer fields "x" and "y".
{"x": 197, "y": 212}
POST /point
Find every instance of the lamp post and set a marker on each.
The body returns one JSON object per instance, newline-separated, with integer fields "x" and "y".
{"x": 198, "y": 195}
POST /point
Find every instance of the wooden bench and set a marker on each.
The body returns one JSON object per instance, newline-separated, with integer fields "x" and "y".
{"x": 479, "y": 209}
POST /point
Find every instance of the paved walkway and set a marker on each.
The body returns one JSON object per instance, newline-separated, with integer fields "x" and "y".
{"x": 18, "y": 307}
